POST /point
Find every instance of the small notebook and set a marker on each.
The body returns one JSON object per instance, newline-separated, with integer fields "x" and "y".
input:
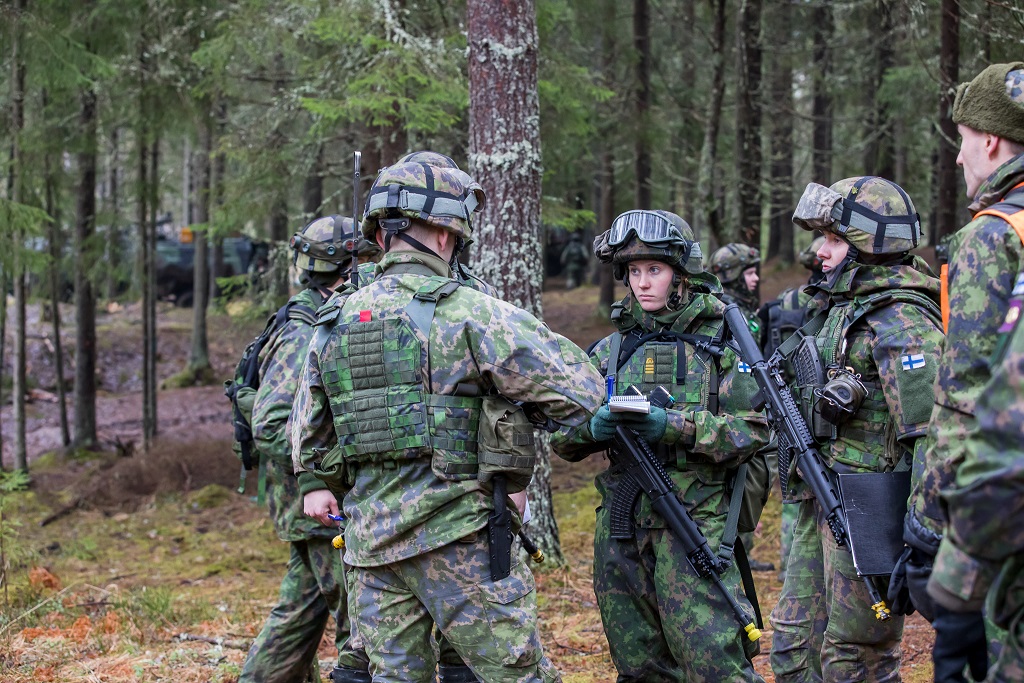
{"x": 629, "y": 404}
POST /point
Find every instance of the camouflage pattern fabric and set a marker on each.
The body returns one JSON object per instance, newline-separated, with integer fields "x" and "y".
{"x": 662, "y": 621}
{"x": 492, "y": 625}
{"x": 983, "y": 551}
{"x": 984, "y": 257}
{"x": 313, "y": 586}
{"x": 403, "y": 510}
{"x": 313, "y": 589}
{"x": 824, "y": 627}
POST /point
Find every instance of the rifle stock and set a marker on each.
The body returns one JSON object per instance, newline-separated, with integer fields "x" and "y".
{"x": 775, "y": 396}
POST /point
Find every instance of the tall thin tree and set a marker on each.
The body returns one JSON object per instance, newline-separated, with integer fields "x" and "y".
{"x": 85, "y": 300}
{"x": 642, "y": 101}
{"x": 18, "y": 169}
{"x": 504, "y": 143}
{"x": 748, "y": 121}
{"x": 949, "y": 75}
{"x": 707, "y": 215}
{"x": 780, "y": 107}
{"x": 823, "y": 27}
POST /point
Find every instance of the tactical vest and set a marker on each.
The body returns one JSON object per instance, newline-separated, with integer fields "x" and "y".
{"x": 374, "y": 372}
{"x": 672, "y": 360}
{"x": 867, "y": 439}
{"x": 785, "y": 316}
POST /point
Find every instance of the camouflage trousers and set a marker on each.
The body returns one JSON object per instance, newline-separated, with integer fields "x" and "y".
{"x": 1008, "y": 666}
{"x": 664, "y": 623}
{"x": 825, "y": 629}
{"x": 492, "y": 625}
{"x": 312, "y": 590}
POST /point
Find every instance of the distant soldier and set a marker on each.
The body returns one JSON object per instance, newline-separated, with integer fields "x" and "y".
{"x": 314, "y": 586}
{"x": 574, "y": 261}
{"x": 736, "y": 266}
{"x": 867, "y": 363}
{"x": 984, "y": 259}
{"x": 409, "y": 381}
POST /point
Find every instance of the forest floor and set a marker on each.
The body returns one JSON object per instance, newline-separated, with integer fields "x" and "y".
{"x": 151, "y": 568}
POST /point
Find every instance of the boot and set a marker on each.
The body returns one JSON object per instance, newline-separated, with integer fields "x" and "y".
{"x": 342, "y": 675}
{"x": 455, "y": 674}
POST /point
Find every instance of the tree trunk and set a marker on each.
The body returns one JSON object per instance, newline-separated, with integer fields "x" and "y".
{"x": 605, "y": 218}
{"x": 879, "y": 153}
{"x": 780, "y": 130}
{"x": 642, "y": 101}
{"x": 707, "y": 216}
{"x": 821, "y": 106}
{"x": 504, "y": 143}
{"x": 199, "y": 355}
{"x": 748, "y": 122}
{"x": 55, "y": 244}
{"x": 112, "y": 245}
{"x": 220, "y": 166}
{"x": 18, "y": 170}
{"x": 85, "y": 300}
{"x": 154, "y": 207}
{"x": 313, "y": 187}
{"x": 949, "y": 75}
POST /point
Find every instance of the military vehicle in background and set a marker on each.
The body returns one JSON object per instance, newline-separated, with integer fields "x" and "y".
{"x": 174, "y": 263}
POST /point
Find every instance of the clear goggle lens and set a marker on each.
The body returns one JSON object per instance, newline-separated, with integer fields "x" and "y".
{"x": 649, "y": 228}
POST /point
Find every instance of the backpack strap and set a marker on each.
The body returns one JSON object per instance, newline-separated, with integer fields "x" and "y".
{"x": 732, "y": 518}
{"x": 424, "y": 302}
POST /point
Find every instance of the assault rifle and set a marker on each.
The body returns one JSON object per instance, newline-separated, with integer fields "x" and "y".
{"x": 794, "y": 437}
{"x": 643, "y": 472}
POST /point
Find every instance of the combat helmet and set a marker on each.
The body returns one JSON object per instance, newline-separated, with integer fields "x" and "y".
{"x": 326, "y": 245}
{"x": 729, "y": 262}
{"x": 441, "y": 196}
{"x": 874, "y": 215}
{"x": 649, "y": 235}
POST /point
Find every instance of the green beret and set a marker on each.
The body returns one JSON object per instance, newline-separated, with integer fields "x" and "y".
{"x": 993, "y": 102}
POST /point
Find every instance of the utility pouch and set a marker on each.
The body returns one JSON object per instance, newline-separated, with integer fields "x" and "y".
{"x": 810, "y": 378}
{"x": 505, "y": 444}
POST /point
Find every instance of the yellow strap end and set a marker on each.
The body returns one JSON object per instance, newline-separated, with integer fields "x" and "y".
{"x": 538, "y": 556}
{"x": 338, "y": 542}
{"x": 753, "y": 633}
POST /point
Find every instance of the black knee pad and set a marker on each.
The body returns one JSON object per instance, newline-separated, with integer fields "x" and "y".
{"x": 455, "y": 674}
{"x": 341, "y": 675}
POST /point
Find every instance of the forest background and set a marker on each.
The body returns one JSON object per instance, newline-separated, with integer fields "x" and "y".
{"x": 128, "y": 124}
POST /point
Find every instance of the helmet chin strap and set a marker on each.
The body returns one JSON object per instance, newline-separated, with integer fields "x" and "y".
{"x": 676, "y": 298}
{"x": 395, "y": 227}
{"x": 851, "y": 257}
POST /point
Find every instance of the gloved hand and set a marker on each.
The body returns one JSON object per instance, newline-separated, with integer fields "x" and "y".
{"x": 650, "y": 427}
{"x": 918, "y": 568}
{"x": 899, "y": 593}
{"x": 602, "y": 425}
{"x": 959, "y": 641}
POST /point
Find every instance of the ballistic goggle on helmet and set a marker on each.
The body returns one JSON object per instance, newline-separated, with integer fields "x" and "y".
{"x": 327, "y": 243}
{"x": 649, "y": 235}
{"x": 873, "y": 214}
{"x": 444, "y": 197}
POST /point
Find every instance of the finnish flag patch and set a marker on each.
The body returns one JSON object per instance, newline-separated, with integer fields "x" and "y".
{"x": 743, "y": 367}
{"x": 1018, "y": 288}
{"x": 912, "y": 361}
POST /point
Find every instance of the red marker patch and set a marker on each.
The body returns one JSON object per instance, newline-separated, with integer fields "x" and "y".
{"x": 365, "y": 316}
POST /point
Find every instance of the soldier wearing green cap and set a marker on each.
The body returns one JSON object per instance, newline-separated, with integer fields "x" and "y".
{"x": 875, "y": 344}
{"x": 314, "y": 585}
{"x": 984, "y": 259}
{"x": 663, "y": 621}
{"x": 413, "y": 380}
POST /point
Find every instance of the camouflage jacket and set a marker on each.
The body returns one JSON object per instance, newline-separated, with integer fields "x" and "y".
{"x": 984, "y": 257}
{"x": 894, "y": 348}
{"x": 281, "y": 366}
{"x": 985, "y": 537}
{"x": 398, "y": 509}
{"x": 702, "y": 446}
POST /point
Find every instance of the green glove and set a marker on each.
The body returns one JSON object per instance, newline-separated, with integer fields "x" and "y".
{"x": 650, "y": 427}
{"x": 602, "y": 425}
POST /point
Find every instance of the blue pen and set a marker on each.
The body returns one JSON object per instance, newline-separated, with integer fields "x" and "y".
{"x": 609, "y": 382}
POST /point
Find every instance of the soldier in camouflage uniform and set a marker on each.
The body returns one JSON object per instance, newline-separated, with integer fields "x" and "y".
{"x": 879, "y": 333}
{"x": 404, "y": 377}
{"x": 984, "y": 258}
{"x": 663, "y": 622}
{"x": 985, "y": 528}
{"x": 574, "y": 261}
{"x": 314, "y": 585}
{"x": 736, "y": 267}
